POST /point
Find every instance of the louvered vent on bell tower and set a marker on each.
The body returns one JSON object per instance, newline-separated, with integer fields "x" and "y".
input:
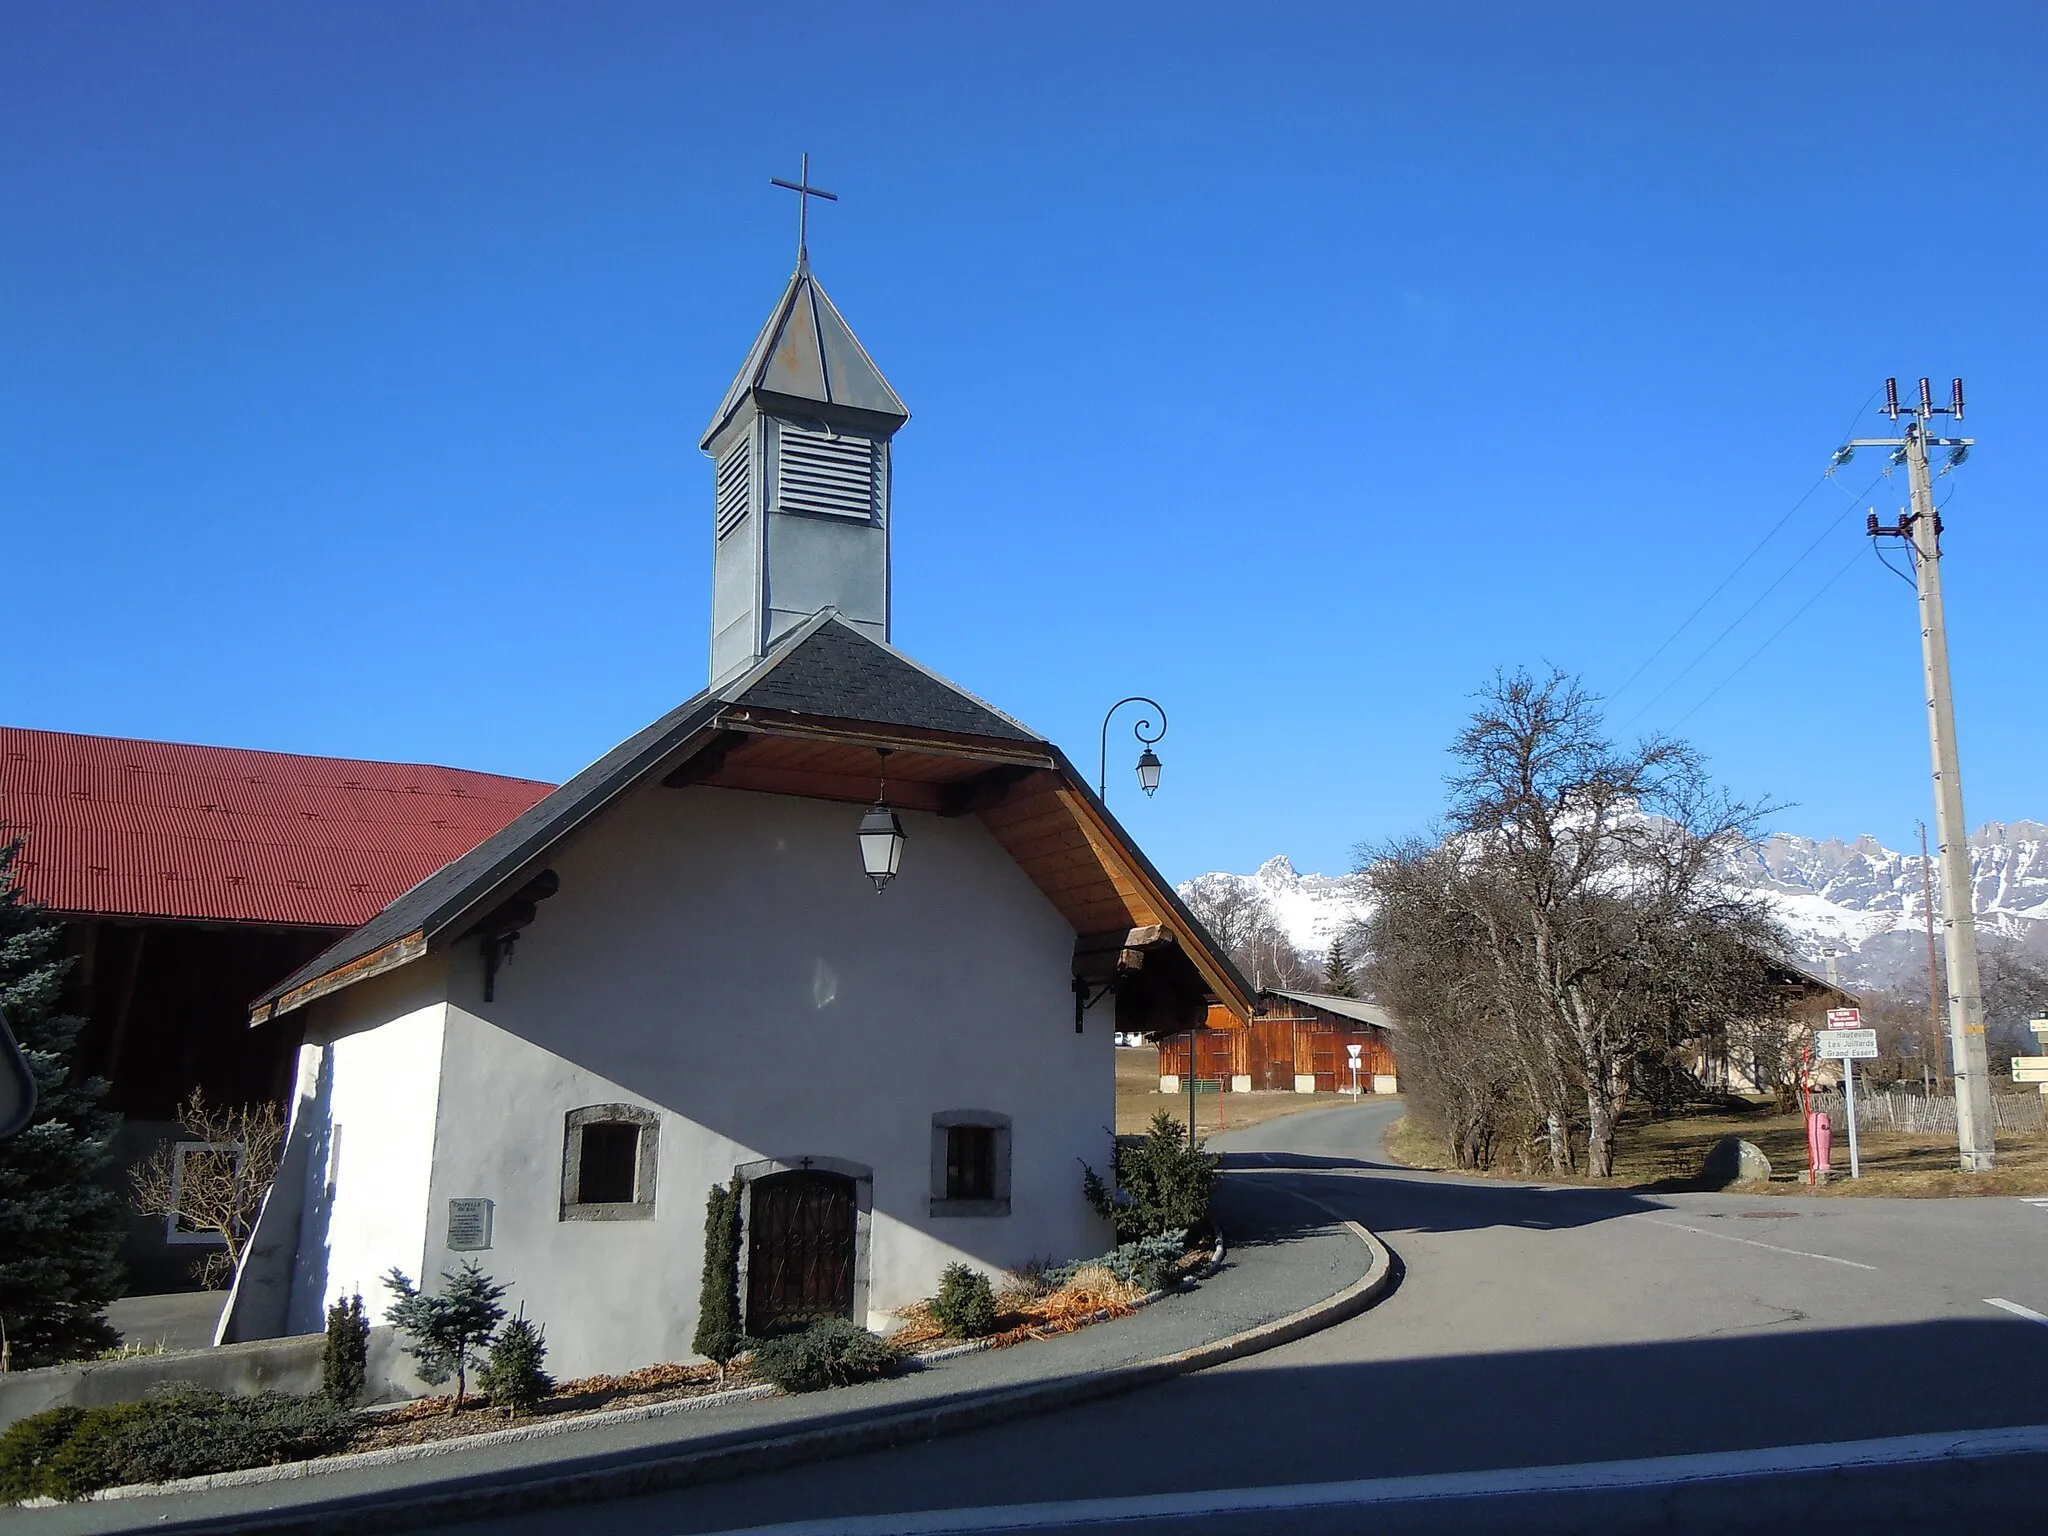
{"x": 732, "y": 487}
{"x": 825, "y": 472}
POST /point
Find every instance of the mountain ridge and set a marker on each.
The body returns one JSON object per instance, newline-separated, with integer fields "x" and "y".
{"x": 1856, "y": 896}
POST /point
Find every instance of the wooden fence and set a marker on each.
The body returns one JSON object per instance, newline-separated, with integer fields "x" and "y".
{"x": 2012, "y": 1113}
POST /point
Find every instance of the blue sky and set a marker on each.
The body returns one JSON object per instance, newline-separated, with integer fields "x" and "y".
{"x": 1296, "y": 366}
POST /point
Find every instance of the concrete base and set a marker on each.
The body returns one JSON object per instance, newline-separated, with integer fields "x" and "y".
{"x": 1169, "y": 1082}
{"x": 1304, "y": 1082}
{"x": 269, "y": 1365}
{"x": 1241, "y": 1083}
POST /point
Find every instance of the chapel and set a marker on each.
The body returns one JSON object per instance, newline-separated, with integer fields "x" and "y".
{"x": 834, "y": 927}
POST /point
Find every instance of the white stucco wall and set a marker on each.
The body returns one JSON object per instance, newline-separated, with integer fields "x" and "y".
{"x": 718, "y": 956}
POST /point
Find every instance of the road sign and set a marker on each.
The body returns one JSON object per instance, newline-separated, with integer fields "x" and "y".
{"x": 1845, "y": 1018}
{"x": 2030, "y": 1069}
{"x": 1846, "y": 1044}
{"x": 1355, "y": 1050}
{"x": 2039, "y": 1024}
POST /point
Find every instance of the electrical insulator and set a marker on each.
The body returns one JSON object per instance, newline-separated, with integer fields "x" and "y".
{"x": 1926, "y": 399}
{"x": 1956, "y": 398}
{"x": 1891, "y": 398}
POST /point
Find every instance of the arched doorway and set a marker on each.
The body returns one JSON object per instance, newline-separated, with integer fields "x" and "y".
{"x": 801, "y": 1234}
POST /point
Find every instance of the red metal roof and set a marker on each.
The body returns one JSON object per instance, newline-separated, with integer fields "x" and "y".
{"x": 158, "y": 829}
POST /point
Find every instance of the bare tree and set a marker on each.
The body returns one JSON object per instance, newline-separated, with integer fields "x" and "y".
{"x": 1242, "y": 921}
{"x": 212, "y": 1178}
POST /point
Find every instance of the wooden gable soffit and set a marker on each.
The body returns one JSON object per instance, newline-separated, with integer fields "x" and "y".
{"x": 704, "y": 761}
{"x": 985, "y": 790}
{"x": 860, "y": 733}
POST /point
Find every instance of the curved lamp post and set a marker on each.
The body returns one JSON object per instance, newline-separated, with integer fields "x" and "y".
{"x": 1148, "y": 760}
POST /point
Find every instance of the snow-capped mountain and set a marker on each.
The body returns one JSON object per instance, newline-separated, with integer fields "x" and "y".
{"x": 1860, "y": 898}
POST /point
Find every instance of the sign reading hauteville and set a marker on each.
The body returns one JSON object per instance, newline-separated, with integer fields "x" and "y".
{"x": 1846, "y": 1044}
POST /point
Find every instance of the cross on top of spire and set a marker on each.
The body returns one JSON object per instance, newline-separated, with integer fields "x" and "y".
{"x": 805, "y": 192}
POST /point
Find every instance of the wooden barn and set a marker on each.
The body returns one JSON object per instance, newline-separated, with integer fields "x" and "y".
{"x": 188, "y": 879}
{"x": 1298, "y": 1041}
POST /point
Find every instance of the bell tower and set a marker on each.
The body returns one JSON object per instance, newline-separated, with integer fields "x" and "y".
{"x": 801, "y": 444}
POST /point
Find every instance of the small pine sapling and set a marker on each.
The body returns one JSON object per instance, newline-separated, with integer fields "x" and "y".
{"x": 512, "y": 1377}
{"x": 345, "y": 1360}
{"x": 1162, "y": 1183}
{"x": 719, "y": 1334}
{"x": 448, "y": 1330}
{"x": 966, "y": 1303}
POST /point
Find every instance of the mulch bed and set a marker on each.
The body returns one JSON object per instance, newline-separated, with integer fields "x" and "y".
{"x": 427, "y": 1419}
{"x": 1020, "y": 1318}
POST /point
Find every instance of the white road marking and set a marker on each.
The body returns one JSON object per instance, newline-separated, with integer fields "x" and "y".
{"x": 1587, "y": 1477}
{"x": 2015, "y": 1309}
{"x": 2038, "y": 1202}
{"x": 1730, "y": 1237}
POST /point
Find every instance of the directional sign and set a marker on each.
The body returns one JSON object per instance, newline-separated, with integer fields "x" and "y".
{"x": 1846, "y": 1044}
{"x": 1845, "y": 1018}
{"x": 2030, "y": 1069}
{"x": 2039, "y": 1024}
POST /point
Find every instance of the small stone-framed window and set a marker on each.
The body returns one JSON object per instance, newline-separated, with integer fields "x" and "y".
{"x": 970, "y": 1163}
{"x": 609, "y": 1154}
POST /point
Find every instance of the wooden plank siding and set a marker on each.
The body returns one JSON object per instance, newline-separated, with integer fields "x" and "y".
{"x": 1281, "y": 1043}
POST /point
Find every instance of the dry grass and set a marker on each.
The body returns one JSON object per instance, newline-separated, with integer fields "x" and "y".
{"x": 1027, "y": 1311}
{"x": 1667, "y": 1154}
{"x": 1138, "y": 1099}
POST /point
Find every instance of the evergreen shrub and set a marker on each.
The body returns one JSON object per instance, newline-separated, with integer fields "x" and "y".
{"x": 512, "y": 1377}
{"x": 966, "y": 1303}
{"x": 345, "y": 1358}
{"x": 449, "y": 1330}
{"x": 1162, "y": 1184}
{"x": 719, "y": 1335}
{"x": 60, "y": 1225}
{"x": 1146, "y": 1262}
{"x": 832, "y": 1352}
{"x": 66, "y": 1453}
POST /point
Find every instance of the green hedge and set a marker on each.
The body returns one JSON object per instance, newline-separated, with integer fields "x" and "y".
{"x": 67, "y": 1453}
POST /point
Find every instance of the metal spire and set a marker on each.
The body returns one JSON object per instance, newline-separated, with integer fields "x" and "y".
{"x": 805, "y": 192}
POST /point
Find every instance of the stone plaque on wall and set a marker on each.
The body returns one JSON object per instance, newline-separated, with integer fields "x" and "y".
{"x": 469, "y": 1224}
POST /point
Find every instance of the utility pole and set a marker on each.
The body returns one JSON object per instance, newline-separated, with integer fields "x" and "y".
{"x": 1933, "y": 961}
{"x": 1922, "y": 530}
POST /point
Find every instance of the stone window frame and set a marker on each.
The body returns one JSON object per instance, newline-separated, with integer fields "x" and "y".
{"x": 641, "y": 1206}
{"x": 987, "y": 1119}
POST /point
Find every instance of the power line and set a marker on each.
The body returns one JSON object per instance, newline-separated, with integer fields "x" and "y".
{"x": 1798, "y": 560}
{"x": 1743, "y": 564}
{"x": 1752, "y": 656}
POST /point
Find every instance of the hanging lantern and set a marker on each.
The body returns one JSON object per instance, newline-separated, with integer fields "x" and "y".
{"x": 1148, "y": 771}
{"x": 881, "y": 844}
{"x": 881, "y": 832}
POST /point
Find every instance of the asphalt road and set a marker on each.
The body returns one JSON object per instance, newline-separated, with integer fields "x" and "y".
{"x": 1602, "y": 1334}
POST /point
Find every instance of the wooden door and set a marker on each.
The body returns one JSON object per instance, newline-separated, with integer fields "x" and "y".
{"x": 800, "y": 1234}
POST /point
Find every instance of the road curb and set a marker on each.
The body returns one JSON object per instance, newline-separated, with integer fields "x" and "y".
{"x": 658, "y": 1472}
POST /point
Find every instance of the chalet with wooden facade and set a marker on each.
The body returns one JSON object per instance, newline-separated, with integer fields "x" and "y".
{"x": 1293, "y": 1041}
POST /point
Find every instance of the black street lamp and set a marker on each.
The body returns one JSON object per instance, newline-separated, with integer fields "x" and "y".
{"x": 1148, "y": 760}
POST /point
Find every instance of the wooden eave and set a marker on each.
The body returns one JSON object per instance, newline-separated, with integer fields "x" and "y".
{"x": 400, "y": 951}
